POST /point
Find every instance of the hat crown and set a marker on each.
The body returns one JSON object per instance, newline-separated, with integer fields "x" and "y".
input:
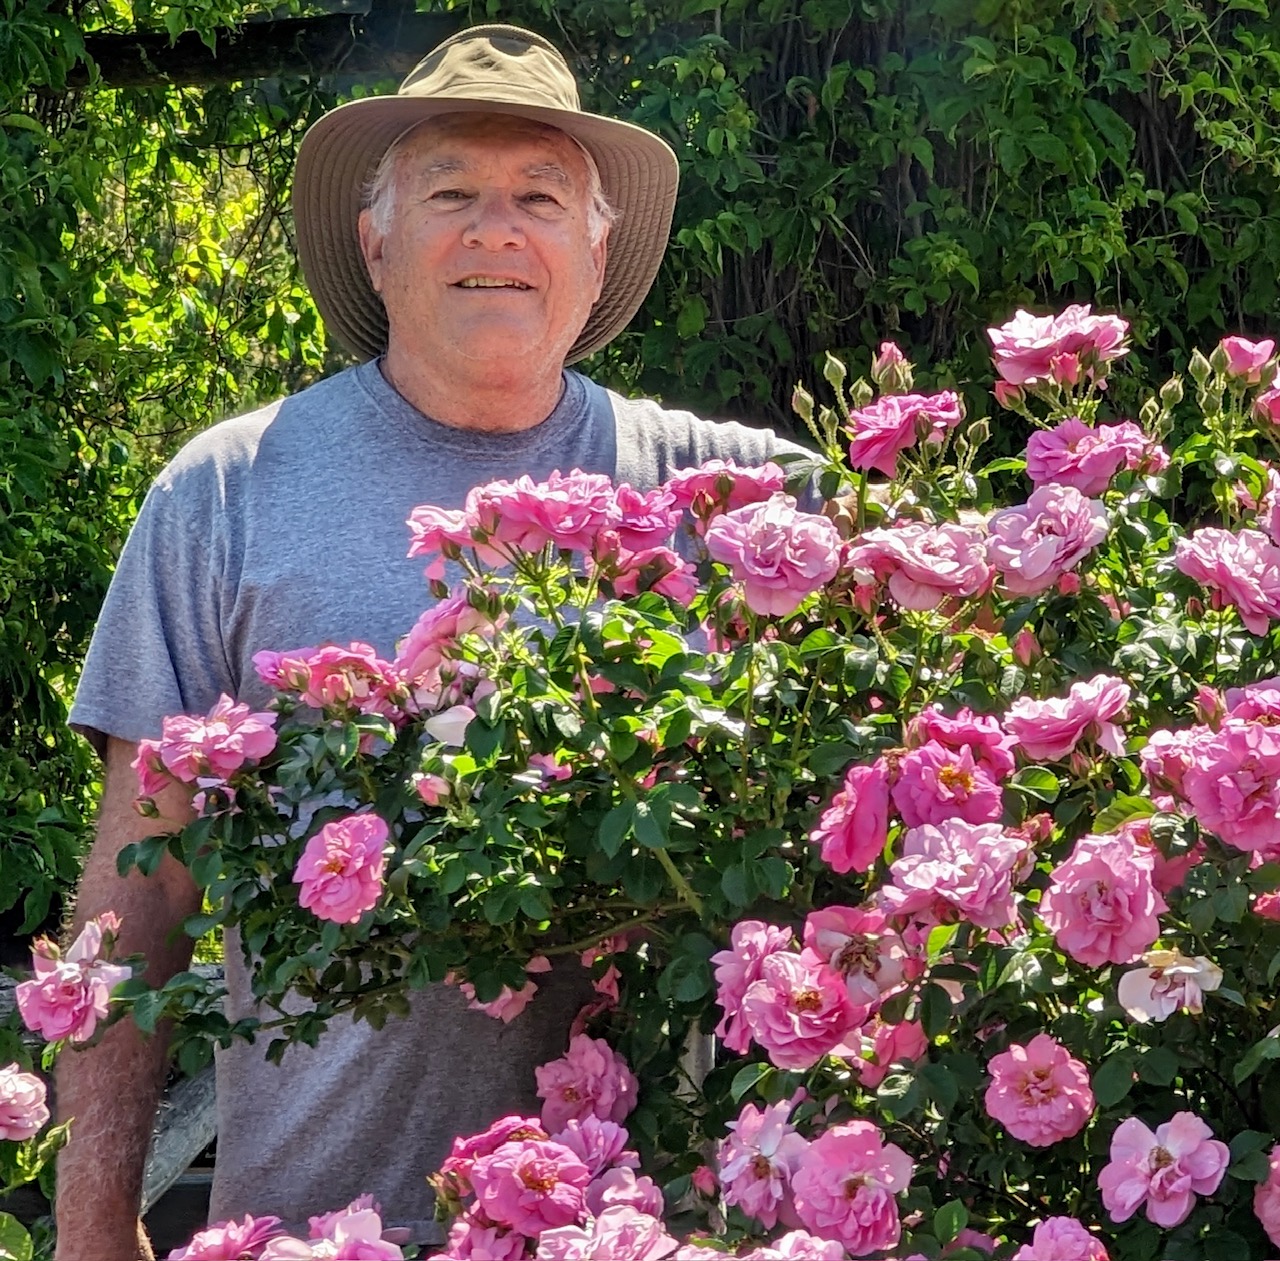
{"x": 498, "y": 63}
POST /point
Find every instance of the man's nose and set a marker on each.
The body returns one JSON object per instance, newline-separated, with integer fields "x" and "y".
{"x": 493, "y": 224}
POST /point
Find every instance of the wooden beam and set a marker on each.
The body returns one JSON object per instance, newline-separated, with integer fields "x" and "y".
{"x": 387, "y": 41}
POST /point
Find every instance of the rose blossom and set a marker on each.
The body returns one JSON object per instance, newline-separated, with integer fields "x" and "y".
{"x": 616, "y": 1187}
{"x": 750, "y": 942}
{"x": 860, "y": 944}
{"x": 795, "y": 1245}
{"x": 530, "y": 1185}
{"x": 1050, "y": 729}
{"x": 466, "y": 1151}
{"x": 779, "y": 554}
{"x": 936, "y": 783}
{"x": 22, "y": 1105}
{"x": 1075, "y": 454}
{"x": 341, "y": 868}
{"x": 1031, "y": 349}
{"x": 991, "y": 746}
{"x": 1061, "y": 1239}
{"x": 620, "y": 1232}
{"x": 757, "y": 1161}
{"x": 845, "y": 1187}
{"x": 1232, "y": 785}
{"x": 878, "y": 1046}
{"x": 1167, "y": 1169}
{"x": 653, "y": 568}
{"x": 566, "y": 510}
{"x": 644, "y": 519}
{"x": 509, "y": 1003}
{"x": 192, "y": 748}
{"x": 1166, "y": 758}
{"x": 230, "y": 1241}
{"x": 956, "y": 870}
{"x": 434, "y": 638}
{"x": 600, "y": 1145}
{"x": 472, "y": 1237}
{"x": 720, "y": 485}
{"x": 922, "y": 565}
{"x": 70, "y": 993}
{"x": 591, "y": 1079}
{"x": 853, "y": 828}
{"x": 1266, "y": 1198}
{"x": 1101, "y": 904}
{"x": 798, "y": 1011}
{"x": 1240, "y": 568}
{"x": 1038, "y": 1092}
{"x": 335, "y": 678}
{"x": 1245, "y": 360}
{"x": 1168, "y": 982}
{"x": 1036, "y": 543}
{"x": 894, "y": 422}
{"x": 1266, "y": 407}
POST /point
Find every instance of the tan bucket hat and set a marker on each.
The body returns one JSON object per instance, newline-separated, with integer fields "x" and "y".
{"x": 485, "y": 69}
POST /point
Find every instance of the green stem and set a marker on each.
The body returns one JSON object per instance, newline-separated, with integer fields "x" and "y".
{"x": 679, "y": 883}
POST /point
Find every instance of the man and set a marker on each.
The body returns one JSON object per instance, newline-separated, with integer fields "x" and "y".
{"x": 468, "y": 238}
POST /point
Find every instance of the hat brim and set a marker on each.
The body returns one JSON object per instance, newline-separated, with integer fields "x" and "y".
{"x": 340, "y": 153}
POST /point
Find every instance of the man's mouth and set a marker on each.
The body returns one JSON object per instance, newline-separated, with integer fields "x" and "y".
{"x": 490, "y": 282}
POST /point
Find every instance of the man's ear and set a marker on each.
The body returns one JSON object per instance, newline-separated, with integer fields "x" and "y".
{"x": 371, "y": 241}
{"x": 599, "y": 256}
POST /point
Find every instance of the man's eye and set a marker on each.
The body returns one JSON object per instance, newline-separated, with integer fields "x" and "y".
{"x": 542, "y": 198}
{"x": 448, "y": 194}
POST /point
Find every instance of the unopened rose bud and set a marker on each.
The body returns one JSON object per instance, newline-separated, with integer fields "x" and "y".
{"x": 1148, "y": 414}
{"x": 1010, "y": 396}
{"x": 890, "y": 370}
{"x": 1210, "y": 706}
{"x": 860, "y": 394}
{"x": 834, "y": 372}
{"x": 1065, "y": 369}
{"x": 1199, "y": 369}
{"x": 1026, "y": 647}
{"x": 147, "y": 807}
{"x": 1171, "y": 392}
{"x": 1069, "y": 584}
{"x": 802, "y": 404}
{"x": 704, "y": 1181}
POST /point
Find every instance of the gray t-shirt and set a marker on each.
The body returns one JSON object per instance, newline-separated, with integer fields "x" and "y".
{"x": 286, "y": 528}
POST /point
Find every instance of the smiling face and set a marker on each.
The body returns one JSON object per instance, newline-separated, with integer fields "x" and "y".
{"x": 481, "y": 250}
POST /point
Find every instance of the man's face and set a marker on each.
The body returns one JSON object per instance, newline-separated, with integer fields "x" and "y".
{"x": 485, "y": 259}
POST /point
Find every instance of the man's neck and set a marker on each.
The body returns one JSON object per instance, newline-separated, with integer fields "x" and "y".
{"x": 492, "y": 404}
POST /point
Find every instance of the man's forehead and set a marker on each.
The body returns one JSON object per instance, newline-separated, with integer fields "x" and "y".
{"x": 544, "y": 152}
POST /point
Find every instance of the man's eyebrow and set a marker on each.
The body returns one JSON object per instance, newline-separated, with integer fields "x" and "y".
{"x": 549, "y": 171}
{"x": 444, "y": 166}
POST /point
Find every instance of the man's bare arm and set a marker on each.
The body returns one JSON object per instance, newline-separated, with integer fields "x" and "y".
{"x": 111, "y": 1090}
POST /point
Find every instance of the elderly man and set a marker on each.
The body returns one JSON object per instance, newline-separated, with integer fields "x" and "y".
{"x": 467, "y": 237}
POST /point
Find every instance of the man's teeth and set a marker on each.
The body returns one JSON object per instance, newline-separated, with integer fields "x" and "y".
{"x": 488, "y": 282}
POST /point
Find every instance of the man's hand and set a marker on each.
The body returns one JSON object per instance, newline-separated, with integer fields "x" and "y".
{"x": 110, "y": 1091}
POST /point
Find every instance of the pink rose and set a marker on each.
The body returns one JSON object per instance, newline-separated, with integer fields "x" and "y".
{"x": 1254, "y": 700}
{"x": 644, "y": 519}
{"x": 891, "y": 369}
{"x": 335, "y": 679}
{"x": 846, "y": 1185}
{"x": 435, "y": 638}
{"x": 621, "y": 1232}
{"x": 1080, "y": 455}
{"x": 736, "y": 969}
{"x": 1167, "y": 1169}
{"x": 357, "y": 1236}
{"x": 956, "y": 870}
{"x": 1101, "y": 904}
{"x": 615, "y": 1188}
{"x": 341, "y": 868}
{"x": 992, "y": 747}
{"x": 878, "y": 1046}
{"x": 1166, "y": 758}
{"x": 230, "y": 1241}
{"x": 1039, "y": 1093}
{"x": 1266, "y": 407}
{"x": 704, "y": 1181}
{"x": 779, "y": 554}
{"x": 567, "y": 510}
{"x": 922, "y": 565}
{"x": 1031, "y": 349}
{"x": 438, "y": 533}
{"x": 1245, "y": 360}
{"x": 466, "y": 1151}
{"x": 22, "y": 1105}
{"x": 509, "y": 1003}
{"x": 1061, "y": 1239}
{"x": 324, "y": 1225}
{"x": 1049, "y": 730}
{"x": 894, "y": 422}
{"x": 798, "y": 1010}
{"x": 70, "y": 993}
{"x": 1035, "y": 544}
{"x": 600, "y": 1145}
{"x": 795, "y": 1245}
{"x": 757, "y": 1160}
{"x": 192, "y": 748}
{"x": 720, "y": 485}
{"x": 591, "y": 1079}
{"x": 530, "y": 1186}
{"x": 1168, "y": 982}
{"x": 936, "y": 783}
{"x": 651, "y": 569}
{"x": 1240, "y": 568}
{"x": 474, "y": 1238}
{"x": 1266, "y": 1199}
{"x": 1232, "y": 784}
{"x": 853, "y": 828}
{"x": 860, "y": 944}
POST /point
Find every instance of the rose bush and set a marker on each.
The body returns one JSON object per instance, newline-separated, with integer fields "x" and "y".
{"x": 957, "y": 826}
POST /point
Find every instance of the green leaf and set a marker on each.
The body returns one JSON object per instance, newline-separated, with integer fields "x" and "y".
{"x": 1122, "y": 809}
{"x": 1253, "y": 1059}
{"x": 747, "y": 1078}
{"x": 650, "y": 826}
{"x": 950, "y": 1220}
{"x": 935, "y": 1010}
{"x": 1113, "y": 1081}
{"x": 1037, "y": 782}
{"x": 15, "y": 1242}
{"x": 615, "y": 827}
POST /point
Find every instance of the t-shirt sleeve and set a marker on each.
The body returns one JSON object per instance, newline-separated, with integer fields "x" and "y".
{"x": 157, "y": 648}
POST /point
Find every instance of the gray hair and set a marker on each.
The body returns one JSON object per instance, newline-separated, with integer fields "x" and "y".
{"x": 380, "y": 193}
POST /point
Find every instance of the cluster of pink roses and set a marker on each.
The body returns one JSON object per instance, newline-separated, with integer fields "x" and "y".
{"x": 351, "y": 1234}
{"x": 1087, "y": 457}
{"x": 1060, "y": 350}
{"x": 71, "y": 992}
{"x": 23, "y": 1110}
